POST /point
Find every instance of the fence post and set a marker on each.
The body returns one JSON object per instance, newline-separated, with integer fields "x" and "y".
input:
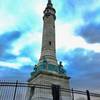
{"x": 15, "y": 90}
{"x": 88, "y": 95}
{"x": 72, "y": 94}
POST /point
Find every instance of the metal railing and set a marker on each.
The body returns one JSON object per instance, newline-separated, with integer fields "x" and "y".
{"x": 24, "y": 91}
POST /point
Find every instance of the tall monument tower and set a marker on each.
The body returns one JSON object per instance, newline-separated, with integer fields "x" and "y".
{"x": 48, "y": 71}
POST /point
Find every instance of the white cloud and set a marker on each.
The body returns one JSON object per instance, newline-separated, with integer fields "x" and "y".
{"x": 10, "y": 64}
{"x": 66, "y": 38}
{"x": 17, "y": 63}
{"x": 64, "y": 31}
{"x": 27, "y": 39}
{"x": 13, "y": 15}
{"x": 24, "y": 60}
{"x": 7, "y": 22}
{"x": 39, "y": 7}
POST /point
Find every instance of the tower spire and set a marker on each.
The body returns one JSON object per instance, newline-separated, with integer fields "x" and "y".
{"x": 49, "y": 3}
{"x": 48, "y": 60}
{"x": 48, "y": 71}
{"x": 48, "y": 40}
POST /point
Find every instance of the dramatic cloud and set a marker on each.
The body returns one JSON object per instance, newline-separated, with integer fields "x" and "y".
{"x": 92, "y": 16}
{"x": 22, "y": 74}
{"x": 84, "y": 67}
{"x": 5, "y": 43}
{"x": 91, "y": 33}
{"x": 77, "y": 36}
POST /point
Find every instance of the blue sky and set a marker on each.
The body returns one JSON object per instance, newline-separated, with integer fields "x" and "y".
{"x": 77, "y": 39}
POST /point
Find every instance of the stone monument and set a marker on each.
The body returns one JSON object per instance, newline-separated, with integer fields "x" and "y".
{"x": 48, "y": 71}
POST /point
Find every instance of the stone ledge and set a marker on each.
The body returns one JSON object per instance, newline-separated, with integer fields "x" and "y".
{"x": 48, "y": 74}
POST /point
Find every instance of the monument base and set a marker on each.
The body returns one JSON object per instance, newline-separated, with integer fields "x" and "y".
{"x": 44, "y": 79}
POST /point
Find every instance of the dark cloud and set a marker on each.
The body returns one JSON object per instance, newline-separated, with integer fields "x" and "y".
{"x": 5, "y": 43}
{"x": 91, "y": 16}
{"x": 21, "y": 74}
{"x": 90, "y": 32}
{"x": 7, "y": 38}
{"x": 7, "y": 57}
{"x": 74, "y": 8}
{"x": 84, "y": 68}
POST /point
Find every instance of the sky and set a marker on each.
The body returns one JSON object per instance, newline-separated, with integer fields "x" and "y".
{"x": 77, "y": 39}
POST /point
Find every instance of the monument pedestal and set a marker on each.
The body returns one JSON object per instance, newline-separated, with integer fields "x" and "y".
{"x": 45, "y": 79}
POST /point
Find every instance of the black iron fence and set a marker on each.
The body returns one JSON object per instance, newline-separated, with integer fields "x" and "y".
{"x": 24, "y": 91}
